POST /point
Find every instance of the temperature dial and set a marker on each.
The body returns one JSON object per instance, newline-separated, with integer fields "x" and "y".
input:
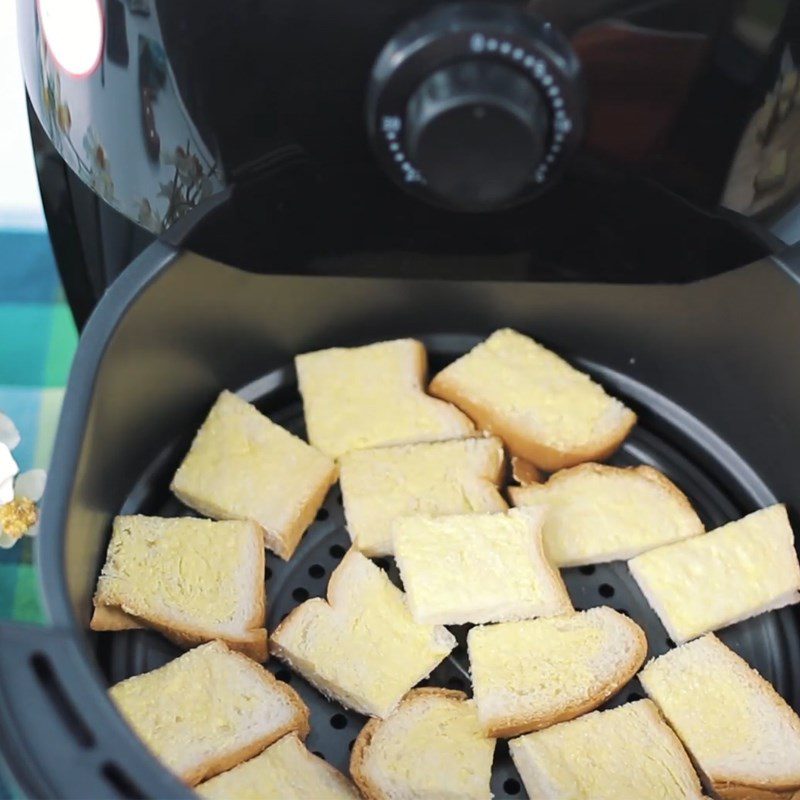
{"x": 475, "y": 107}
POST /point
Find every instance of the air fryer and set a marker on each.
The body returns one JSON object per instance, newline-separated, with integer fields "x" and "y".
{"x": 229, "y": 186}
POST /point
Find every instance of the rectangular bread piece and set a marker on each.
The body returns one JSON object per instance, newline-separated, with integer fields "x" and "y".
{"x": 361, "y": 647}
{"x": 545, "y": 410}
{"x": 740, "y": 731}
{"x": 192, "y": 579}
{"x": 735, "y": 572}
{"x": 241, "y": 465}
{"x": 372, "y": 396}
{"x": 209, "y": 710}
{"x": 461, "y": 476}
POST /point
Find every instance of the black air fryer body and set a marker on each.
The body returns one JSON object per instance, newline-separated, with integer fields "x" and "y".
{"x": 239, "y": 183}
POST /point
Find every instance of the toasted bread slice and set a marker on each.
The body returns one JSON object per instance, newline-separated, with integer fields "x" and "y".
{"x": 456, "y": 477}
{"x": 708, "y": 582}
{"x": 430, "y": 747}
{"x": 742, "y": 733}
{"x": 362, "y": 397}
{"x": 243, "y": 466}
{"x": 626, "y": 753}
{"x": 284, "y": 771}
{"x": 597, "y": 513}
{"x": 208, "y": 710}
{"x": 543, "y": 409}
{"x": 193, "y": 579}
{"x": 532, "y": 674}
{"x": 361, "y": 647}
{"x": 477, "y": 568}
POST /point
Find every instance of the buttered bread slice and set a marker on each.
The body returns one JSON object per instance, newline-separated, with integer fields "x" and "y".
{"x": 362, "y": 646}
{"x": 597, "y": 513}
{"x": 531, "y": 674}
{"x": 284, "y": 771}
{"x": 456, "y": 477}
{"x": 735, "y": 572}
{"x": 372, "y": 396}
{"x": 192, "y": 579}
{"x": 741, "y": 732}
{"x": 477, "y": 568}
{"x": 431, "y": 746}
{"x": 243, "y": 466}
{"x": 626, "y": 753}
{"x": 543, "y": 409}
{"x": 209, "y": 710}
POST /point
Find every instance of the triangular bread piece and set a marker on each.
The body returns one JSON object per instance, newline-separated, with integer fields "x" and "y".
{"x": 597, "y": 513}
{"x": 531, "y": 674}
{"x": 545, "y": 410}
{"x": 431, "y": 746}
{"x": 209, "y": 710}
{"x": 735, "y": 572}
{"x": 741, "y": 732}
{"x": 286, "y": 770}
{"x": 373, "y": 396}
{"x": 362, "y": 646}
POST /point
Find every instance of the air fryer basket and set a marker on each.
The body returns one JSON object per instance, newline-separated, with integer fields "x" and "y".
{"x": 710, "y": 367}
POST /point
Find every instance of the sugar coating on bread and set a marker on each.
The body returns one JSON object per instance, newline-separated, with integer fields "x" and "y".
{"x": 362, "y": 397}
{"x": 626, "y": 753}
{"x": 193, "y": 579}
{"x": 597, "y": 513}
{"x": 243, "y": 466}
{"x": 461, "y": 476}
{"x": 431, "y": 746}
{"x": 741, "y": 732}
{"x": 732, "y": 573}
{"x": 543, "y": 409}
{"x": 208, "y": 710}
{"x": 362, "y": 646}
{"x": 286, "y": 770}
{"x": 477, "y": 568}
{"x": 531, "y": 674}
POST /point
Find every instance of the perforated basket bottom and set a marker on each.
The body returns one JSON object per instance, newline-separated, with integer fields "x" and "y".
{"x": 769, "y": 643}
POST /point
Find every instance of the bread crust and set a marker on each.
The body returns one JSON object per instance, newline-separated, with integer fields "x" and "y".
{"x": 368, "y": 789}
{"x": 522, "y": 443}
{"x": 739, "y": 791}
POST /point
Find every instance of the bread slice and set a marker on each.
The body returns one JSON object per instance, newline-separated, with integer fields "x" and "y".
{"x": 284, "y": 771}
{"x": 626, "y": 753}
{"x": 741, "y": 732}
{"x": 243, "y": 466}
{"x": 597, "y": 513}
{"x": 543, "y": 409}
{"x": 361, "y": 647}
{"x": 362, "y": 397}
{"x": 708, "y": 582}
{"x": 208, "y": 710}
{"x": 531, "y": 674}
{"x": 430, "y": 747}
{"x": 477, "y": 568}
{"x": 192, "y": 579}
{"x": 455, "y": 477}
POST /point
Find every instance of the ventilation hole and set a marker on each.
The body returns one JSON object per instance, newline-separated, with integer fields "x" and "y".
{"x": 121, "y": 782}
{"x": 587, "y": 570}
{"x": 268, "y": 573}
{"x": 319, "y": 755}
{"x": 322, "y": 514}
{"x": 316, "y": 571}
{"x": 336, "y": 550}
{"x": 606, "y": 590}
{"x": 59, "y": 700}
{"x": 350, "y": 746}
{"x": 624, "y": 611}
{"x": 383, "y": 564}
{"x": 511, "y": 786}
{"x": 455, "y": 682}
{"x": 284, "y": 675}
{"x": 634, "y": 696}
{"x": 338, "y": 721}
{"x": 300, "y": 594}
{"x": 670, "y": 643}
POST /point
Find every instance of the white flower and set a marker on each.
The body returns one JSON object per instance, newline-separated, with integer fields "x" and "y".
{"x": 8, "y": 469}
{"x": 9, "y": 435}
{"x": 28, "y": 490}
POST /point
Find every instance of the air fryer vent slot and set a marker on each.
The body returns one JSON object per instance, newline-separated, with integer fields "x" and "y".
{"x": 121, "y": 782}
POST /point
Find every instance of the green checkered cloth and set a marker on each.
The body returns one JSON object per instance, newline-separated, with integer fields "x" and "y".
{"x": 37, "y": 343}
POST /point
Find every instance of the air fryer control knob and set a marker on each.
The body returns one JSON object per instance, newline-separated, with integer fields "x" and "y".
{"x": 475, "y": 130}
{"x": 475, "y": 107}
